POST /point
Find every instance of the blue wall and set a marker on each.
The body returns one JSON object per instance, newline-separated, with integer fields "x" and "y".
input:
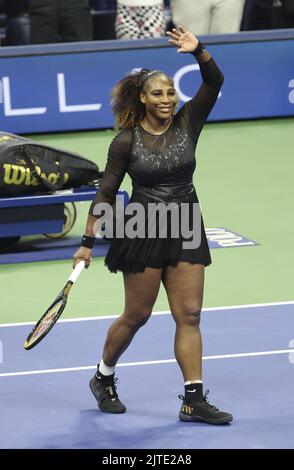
{"x": 67, "y": 87}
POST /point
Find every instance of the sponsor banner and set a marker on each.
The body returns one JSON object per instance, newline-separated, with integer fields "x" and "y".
{"x": 225, "y": 238}
{"x": 65, "y": 90}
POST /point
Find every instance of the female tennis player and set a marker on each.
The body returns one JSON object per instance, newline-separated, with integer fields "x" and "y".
{"x": 156, "y": 147}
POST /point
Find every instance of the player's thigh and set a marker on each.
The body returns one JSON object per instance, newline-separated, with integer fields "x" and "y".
{"x": 184, "y": 285}
{"x": 141, "y": 290}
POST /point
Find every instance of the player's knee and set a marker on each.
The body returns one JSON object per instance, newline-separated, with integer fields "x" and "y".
{"x": 137, "y": 318}
{"x": 190, "y": 315}
{"x": 193, "y": 316}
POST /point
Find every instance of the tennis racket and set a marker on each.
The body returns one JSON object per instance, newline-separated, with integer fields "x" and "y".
{"x": 50, "y": 317}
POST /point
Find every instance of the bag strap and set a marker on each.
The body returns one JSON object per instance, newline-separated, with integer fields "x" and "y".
{"x": 39, "y": 177}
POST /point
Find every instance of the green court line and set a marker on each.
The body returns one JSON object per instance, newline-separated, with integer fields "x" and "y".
{"x": 244, "y": 182}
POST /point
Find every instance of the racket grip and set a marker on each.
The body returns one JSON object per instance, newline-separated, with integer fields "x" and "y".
{"x": 77, "y": 271}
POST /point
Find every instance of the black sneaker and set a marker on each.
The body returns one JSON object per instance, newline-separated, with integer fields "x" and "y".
{"x": 104, "y": 390}
{"x": 203, "y": 411}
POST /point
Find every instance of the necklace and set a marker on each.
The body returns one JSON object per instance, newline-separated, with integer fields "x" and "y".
{"x": 149, "y": 129}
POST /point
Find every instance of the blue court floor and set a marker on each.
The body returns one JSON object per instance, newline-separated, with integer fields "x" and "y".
{"x": 45, "y": 401}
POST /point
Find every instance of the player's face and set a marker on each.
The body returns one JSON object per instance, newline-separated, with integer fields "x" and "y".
{"x": 159, "y": 97}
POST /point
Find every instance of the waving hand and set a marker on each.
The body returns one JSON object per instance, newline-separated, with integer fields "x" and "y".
{"x": 183, "y": 39}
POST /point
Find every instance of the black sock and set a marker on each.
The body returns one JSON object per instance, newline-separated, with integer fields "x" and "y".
{"x": 194, "y": 392}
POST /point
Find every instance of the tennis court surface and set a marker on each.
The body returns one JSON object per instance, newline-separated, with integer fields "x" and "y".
{"x": 248, "y": 363}
{"x": 244, "y": 180}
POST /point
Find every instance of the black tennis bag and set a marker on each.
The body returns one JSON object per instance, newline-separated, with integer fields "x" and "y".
{"x": 27, "y": 167}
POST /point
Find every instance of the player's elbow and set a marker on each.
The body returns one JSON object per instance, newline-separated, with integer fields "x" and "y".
{"x": 219, "y": 81}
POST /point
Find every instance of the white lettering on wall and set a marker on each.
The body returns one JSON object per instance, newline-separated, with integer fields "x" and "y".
{"x": 291, "y": 94}
{"x": 6, "y": 93}
{"x": 179, "y": 75}
{"x": 8, "y": 110}
{"x": 77, "y": 108}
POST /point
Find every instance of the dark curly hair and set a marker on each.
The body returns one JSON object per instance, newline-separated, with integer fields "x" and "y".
{"x": 125, "y": 97}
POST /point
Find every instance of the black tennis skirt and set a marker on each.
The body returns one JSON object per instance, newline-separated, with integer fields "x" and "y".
{"x": 132, "y": 255}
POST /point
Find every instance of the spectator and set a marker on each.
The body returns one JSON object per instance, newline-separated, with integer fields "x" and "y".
{"x": 60, "y": 21}
{"x": 103, "y": 5}
{"x": 139, "y": 19}
{"x": 208, "y": 16}
{"x": 268, "y": 14}
{"x": 17, "y": 24}
{"x": 168, "y": 16}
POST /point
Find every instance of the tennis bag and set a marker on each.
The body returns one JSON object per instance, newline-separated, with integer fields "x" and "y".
{"x": 27, "y": 167}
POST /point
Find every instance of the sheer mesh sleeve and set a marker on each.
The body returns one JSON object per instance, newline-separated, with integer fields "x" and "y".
{"x": 195, "y": 112}
{"x": 116, "y": 168}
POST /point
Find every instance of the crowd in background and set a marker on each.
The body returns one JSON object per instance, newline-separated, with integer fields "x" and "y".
{"x": 52, "y": 21}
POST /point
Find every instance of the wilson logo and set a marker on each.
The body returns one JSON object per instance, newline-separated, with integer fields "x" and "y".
{"x": 16, "y": 175}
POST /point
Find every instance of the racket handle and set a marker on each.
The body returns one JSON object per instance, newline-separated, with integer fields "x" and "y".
{"x": 77, "y": 271}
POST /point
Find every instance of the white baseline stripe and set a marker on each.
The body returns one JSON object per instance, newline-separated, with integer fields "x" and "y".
{"x": 147, "y": 363}
{"x": 164, "y": 312}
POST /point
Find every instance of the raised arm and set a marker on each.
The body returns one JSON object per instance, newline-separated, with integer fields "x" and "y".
{"x": 115, "y": 170}
{"x": 195, "y": 112}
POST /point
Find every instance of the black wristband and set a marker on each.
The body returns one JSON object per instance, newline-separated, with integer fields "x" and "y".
{"x": 199, "y": 49}
{"x": 88, "y": 241}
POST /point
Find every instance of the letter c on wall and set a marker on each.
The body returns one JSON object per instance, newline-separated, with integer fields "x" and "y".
{"x": 179, "y": 75}
{"x": 291, "y": 94}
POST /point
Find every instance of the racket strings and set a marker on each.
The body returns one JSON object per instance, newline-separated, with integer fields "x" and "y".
{"x": 47, "y": 322}
{"x": 49, "y": 317}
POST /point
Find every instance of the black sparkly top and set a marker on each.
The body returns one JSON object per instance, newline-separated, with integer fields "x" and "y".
{"x": 166, "y": 160}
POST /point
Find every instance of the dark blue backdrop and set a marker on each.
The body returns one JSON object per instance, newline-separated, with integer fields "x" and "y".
{"x": 67, "y": 87}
